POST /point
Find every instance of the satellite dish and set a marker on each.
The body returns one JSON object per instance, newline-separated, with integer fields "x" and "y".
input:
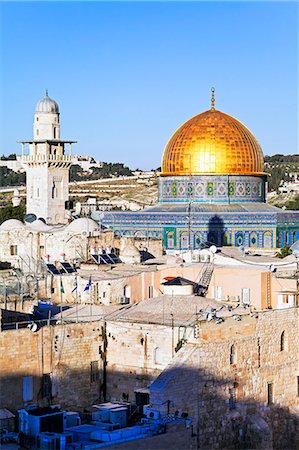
{"x": 32, "y": 327}
{"x": 213, "y": 249}
{"x": 42, "y": 219}
{"x": 29, "y": 218}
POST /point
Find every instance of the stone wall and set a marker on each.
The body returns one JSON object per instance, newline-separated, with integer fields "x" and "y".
{"x": 222, "y": 388}
{"x": 230, "y": 395}
{"x": 129, "y": 355}
{"x": 136, "y": 353}
{"x": 64, "y": 351}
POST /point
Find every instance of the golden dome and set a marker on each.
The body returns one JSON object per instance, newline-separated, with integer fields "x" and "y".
{"x": 212, "y": 143}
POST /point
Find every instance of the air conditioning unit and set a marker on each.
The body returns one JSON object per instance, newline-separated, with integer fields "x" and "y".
{"x": 54, "y": 441}
{"x": 195, "y": 258}
{"x": 151, "y": 413}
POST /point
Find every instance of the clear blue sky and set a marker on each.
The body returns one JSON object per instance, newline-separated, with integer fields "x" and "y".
{"x": 126, "y": 75}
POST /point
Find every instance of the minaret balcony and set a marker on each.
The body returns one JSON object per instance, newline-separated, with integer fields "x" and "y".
{"x": 46, "y": 158}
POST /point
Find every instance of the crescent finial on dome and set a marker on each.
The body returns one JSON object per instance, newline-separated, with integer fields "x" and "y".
{"x": 213, "y": 98}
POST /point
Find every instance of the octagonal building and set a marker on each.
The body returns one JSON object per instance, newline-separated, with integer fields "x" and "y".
{"x": 212, "y": 190}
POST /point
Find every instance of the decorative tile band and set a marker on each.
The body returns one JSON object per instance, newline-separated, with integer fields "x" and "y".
{"x": 212, "y": 188}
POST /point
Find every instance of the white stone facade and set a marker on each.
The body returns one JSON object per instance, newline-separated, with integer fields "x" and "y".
{"x": 47, "y": 166}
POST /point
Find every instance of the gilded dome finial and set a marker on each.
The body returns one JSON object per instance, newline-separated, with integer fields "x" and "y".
{"x": 213, "y": 98}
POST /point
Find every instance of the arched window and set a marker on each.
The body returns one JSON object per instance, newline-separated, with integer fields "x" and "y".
{"x": 232, "y": 355}
{"x": 239, "y": 239}
{"x": 282, "y": 342}
{"x": 253, "y": 239}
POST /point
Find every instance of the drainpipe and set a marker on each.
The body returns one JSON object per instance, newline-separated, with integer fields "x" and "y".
{"x": 104, "y": 359}
{"x": 172, "y": 335}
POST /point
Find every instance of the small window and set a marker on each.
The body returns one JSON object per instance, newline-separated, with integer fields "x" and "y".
{"x": 37, "y": 132}
{"x": 104, "y": 294}
{"x": 282, "y": 342}
{"x": 54, "y": 132}
{"x": 232, "y": 355}
{"x": 37, "y": 192}
{"x": 94, "y": 371}
{"x": 297, "y": 386}
{"x": 37, "y": 119}
{"x": 13, "y": 250}
{"x": 270, "y": 393}
{"x": 246, "y": 296}
{"x": 46, "y": 385}
{"x": 232, "y": 398}
{"x": 150, "y": 291}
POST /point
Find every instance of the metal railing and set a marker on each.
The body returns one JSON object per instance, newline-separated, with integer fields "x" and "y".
{"x": 51, "y": 158}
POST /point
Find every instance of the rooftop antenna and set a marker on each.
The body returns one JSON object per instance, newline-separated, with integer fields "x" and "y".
{"x": 213, "y": 99}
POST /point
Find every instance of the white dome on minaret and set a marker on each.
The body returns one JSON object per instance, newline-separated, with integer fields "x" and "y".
{"x": 46, "y": 119}
{"x": 47, "y": 105}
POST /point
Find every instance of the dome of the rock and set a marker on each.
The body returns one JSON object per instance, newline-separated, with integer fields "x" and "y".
{"x": 212, "y": 143}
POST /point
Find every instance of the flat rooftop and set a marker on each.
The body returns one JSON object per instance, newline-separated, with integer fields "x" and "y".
{"x": 176, "y": 310}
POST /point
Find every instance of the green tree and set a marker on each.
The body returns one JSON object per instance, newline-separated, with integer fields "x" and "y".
{"x": 285, "y": 251}
{"x": 11, "y": 157}
{"x": 76, "y": 172}
{"x": 12, "y": 212}
{"x": 10, "y": 178}
{"x": 292, "y": 204}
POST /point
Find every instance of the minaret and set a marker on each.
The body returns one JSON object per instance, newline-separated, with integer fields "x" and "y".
{"x": 47, "y": 165}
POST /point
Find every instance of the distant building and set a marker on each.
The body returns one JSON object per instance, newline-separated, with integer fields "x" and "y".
{"x": 86, "y": 162}
{"x": 292, "y": 186}
{"x": 13, "y": 164}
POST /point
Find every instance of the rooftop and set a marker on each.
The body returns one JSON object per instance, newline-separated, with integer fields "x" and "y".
{"x": 176, "y": 310}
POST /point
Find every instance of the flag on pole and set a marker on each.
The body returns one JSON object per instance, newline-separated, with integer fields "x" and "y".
{"x": 75, "y": 286}
{"x": 88, "y": 285}
{"x": 61, "y": 286}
